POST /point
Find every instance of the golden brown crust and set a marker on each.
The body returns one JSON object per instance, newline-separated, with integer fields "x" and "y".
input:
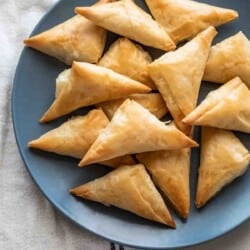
{"x": 134, "y": 23}
{"x": 183, "y": 19}
{"x": 129, "y": 59}
{"x": 69, "y": 41}
{"x": 134, "y": 129}
{"x": 223, "y": 158}
{"x": 178, "y": 75}
{"x": 89, "y": 84}
{"x": 152, "y": 101}
{"x": 227, "y": 107}
{"x": 170, "y": 173}
{"x": 129, "y": 188}
{"x": 228, "y": 59}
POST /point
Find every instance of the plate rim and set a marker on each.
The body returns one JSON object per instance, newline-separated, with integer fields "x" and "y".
{"x": 58, "y": 207}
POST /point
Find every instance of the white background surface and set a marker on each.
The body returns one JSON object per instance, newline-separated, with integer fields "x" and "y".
{"x": 27, "y": 220}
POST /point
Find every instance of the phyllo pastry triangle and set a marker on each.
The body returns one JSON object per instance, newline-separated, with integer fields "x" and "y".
{"x": 178, "y": 75}
{"x": 89, "y": 84}
{"x": 152, "y": 101}
{"x": 70, "y": 41}
{"x": 170, "y": 173}
{"x": 183, "y": 19}
{"x": 133, "y": 129}
{"x": 127, "y": 19}
{"x": 228, "y": 59}
{"x": 227, "y": 107}
{"x": 75, "y": 136}
{"x": 129, "y": 188}
{"x": 129, "y": 59}
{"x": 223, "y": 159}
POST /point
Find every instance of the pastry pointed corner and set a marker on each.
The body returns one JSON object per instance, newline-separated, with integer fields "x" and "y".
{"x": 189, "y": 119}
{"x": 81, "y": 191}
{"x": 72, "y": 191}
{"x": 84, "y": 162}
{"x": 211, "y": 31}
{"x": 171, "y": 223}
{"x": 81, "y": 164}
{"x": 171, "y": 45}
{"x": 191, "y": 143}
{"x": 76, "y": 191}
{"x": 33, "y": 143}
{"x": 192, "y": 117}
{"x": 144, "y": 88}
{"x": 45, "y": 118}
{"x": 229, "y": 14}
{"x": 49, "y": 115}
{"x": 199, "y": 203}
{"x": 83, "y": 10}
{"x": 201, "y": 199}
{"x": 30, "y": 41}
{"x": 35, "y": 41}
{"x": 184, "y": 214}
{"x": 39, "y": 143}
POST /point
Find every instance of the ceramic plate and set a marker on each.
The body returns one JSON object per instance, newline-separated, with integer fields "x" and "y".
{"x": 33, "y": 92}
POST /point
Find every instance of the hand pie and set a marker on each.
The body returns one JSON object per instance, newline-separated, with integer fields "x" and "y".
{"x": 74, "y": 137}
{"x": 134, "y": 129}
{"x": 183, "y": 19}
{"x": 129, "y": 188}
{"x": 69, "y": 41}
{"x": 178, "y": 75}
{"x": 127, "y": 19}
{"x": 129, "y": 59}
{"x": 89, "y": 84}
{"x": 170, "y": 172}
{"x": 228, "y": 59}
{"x": 227, "y": 107}
{"x": 223, "y": 159}
{"x": 152, "y": 101}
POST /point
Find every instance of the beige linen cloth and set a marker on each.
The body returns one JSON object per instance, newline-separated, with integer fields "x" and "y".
{"x": 27, "y": 220}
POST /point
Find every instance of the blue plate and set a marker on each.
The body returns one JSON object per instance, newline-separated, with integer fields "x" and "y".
{"x": 33, "y": 92}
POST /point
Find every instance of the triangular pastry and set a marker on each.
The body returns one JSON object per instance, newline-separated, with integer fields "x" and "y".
{"x": 129, "y": 59}
{"x": 223, "y": 159}
{"x": 170, "y": 173}
{"x": 134, "y": 129}
{"x": 183, "y": 19}
{"x": 129, "y": 188}
{"x": 227, "y": 107}
{"x": 129, "y": 20}
{"x": 75, "y": 136}
{"x": 178, "y": 75}
{"x": 70, "y": 41}
{"x": 90, "y": 84}
{"x": 228, "y": 59}
{"x": 152, "y": 101}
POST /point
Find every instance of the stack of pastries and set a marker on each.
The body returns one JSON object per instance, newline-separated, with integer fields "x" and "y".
{"x": 130, "y": 93}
